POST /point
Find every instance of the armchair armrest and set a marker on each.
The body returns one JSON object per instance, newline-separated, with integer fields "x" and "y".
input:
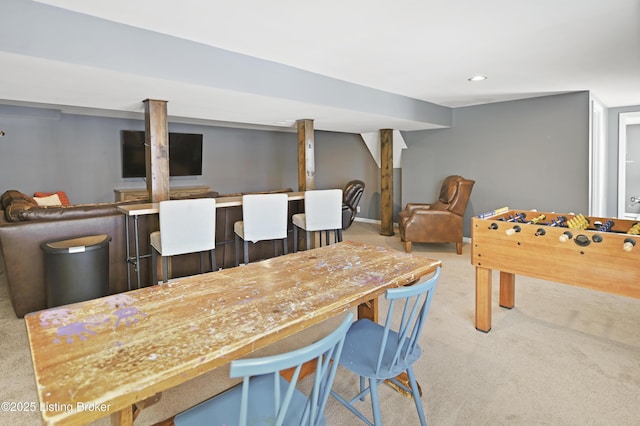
{"x": 413, "y": 215}
{"x": 426, "y": 217}
{"x": 410, "y": 207}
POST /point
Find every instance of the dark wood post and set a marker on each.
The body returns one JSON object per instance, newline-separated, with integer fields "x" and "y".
{"x": 157, "y": 149}
{"x": 306, "y": 158}
{"x": 386, "y": 182}
{"x": 306, "y": 168}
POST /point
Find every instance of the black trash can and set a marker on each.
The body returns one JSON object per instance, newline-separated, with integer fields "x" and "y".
{"x": 76, "y": 269}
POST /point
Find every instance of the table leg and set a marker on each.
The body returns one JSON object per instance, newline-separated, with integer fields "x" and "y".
{"x": 369, "y": 310}
{"x": 483, "y": 299}
{"x": 123, "y": 417}
{"x": 507, "y": 290}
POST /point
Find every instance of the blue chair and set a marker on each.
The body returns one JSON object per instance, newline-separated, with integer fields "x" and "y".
{"x": 265, "y": 398}
{"x": 380, "y": 353}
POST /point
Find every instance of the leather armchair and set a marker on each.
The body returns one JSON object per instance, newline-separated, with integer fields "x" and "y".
{"x": 440, "y": 221}
{"x": 351, "y": 195}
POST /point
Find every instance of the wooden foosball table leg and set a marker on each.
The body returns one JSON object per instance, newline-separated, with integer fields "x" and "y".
{"x": 483, "y": 299}
{"x": 507, "y": 290}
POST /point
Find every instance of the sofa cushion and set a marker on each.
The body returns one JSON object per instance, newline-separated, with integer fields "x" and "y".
{"x": 64, "y": 200}
{"x": 16, "y": 208}
{"x": 49, "y": 200}
{"x": 14, "y": 203}
{"x": 12, "y": 195}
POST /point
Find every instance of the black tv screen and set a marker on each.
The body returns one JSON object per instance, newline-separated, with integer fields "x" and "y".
{"x": 185, "y": 154}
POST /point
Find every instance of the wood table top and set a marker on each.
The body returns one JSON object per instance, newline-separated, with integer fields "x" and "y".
{"x": 117, "y": 350}
{"x": 152, "y": 208}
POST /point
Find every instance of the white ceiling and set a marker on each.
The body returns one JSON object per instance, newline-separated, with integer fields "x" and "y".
{"x": 420, "y": 49}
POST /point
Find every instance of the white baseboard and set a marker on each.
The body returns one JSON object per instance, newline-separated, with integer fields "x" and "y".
{"x": 365, "y": 220}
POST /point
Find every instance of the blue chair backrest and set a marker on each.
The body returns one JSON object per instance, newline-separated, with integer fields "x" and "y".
{"x": 323, "y": 351}
{"x": 415, "y": 301}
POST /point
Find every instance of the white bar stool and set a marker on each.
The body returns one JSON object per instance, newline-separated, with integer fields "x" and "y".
{"x": 322, "y": 212}
{"x": 264, "y": 217}
{"x": 186, "y": 226}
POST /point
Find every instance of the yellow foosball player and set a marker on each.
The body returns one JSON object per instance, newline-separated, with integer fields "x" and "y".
{"x": 578, "y": 222}
{"x": 635, "y": 229}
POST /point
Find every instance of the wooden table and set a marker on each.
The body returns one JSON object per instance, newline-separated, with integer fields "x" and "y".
{"x": 590, "y": 258}
{"x": 102, "y": 356}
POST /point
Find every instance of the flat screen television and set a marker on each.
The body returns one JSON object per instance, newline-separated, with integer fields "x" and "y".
{"x": 185, "y": 154}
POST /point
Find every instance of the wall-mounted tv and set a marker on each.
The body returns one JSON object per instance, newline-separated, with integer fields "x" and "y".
{"x": 185, "y": 154}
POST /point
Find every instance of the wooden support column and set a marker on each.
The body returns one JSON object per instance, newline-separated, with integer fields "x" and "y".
{"x": 386, "y": 182}
{"x": 306, "y": 158}
{"x": 306, "y": 169}
{"x": 157, "y": 161}
{"x": 157, "y": 149}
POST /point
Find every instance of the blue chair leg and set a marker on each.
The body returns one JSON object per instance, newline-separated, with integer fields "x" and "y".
{"x": 285, "y": 249}
{"x": 246, "y": 252}
{"x": 375, "y": 402}
{"x": 416, "y": 395}
{"x": 295, "y": 239}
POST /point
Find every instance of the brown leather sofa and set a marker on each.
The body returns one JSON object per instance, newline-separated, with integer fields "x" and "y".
{"x": 24, "y": 226}
{"x": 440, "y": 221}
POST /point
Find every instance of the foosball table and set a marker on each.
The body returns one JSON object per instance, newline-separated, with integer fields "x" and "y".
{"x": 591, "y": 252}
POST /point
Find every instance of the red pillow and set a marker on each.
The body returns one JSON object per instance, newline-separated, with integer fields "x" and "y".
{"x": 61, "y": 194}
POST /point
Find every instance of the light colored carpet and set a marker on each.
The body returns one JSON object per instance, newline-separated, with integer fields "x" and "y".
{"x": 562, "y": 356}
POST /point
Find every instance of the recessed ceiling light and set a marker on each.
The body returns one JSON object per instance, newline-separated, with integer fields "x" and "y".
{"x": 477, "y": 78}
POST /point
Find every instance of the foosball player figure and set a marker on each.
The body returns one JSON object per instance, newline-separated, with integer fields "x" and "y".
{"x": 560, "y": 222}
{"x": 635, "y": 229}
{"x": 606, "y": 227}
{"x": 519, "y": 217}
{"x": 578, "y": 222}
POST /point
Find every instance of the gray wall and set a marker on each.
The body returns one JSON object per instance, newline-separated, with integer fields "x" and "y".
{"x": 523, "y": 154}
{"x": 341, "y": 157}
{"x": 44, "y": 150}
{"x": 526, "y": 154}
